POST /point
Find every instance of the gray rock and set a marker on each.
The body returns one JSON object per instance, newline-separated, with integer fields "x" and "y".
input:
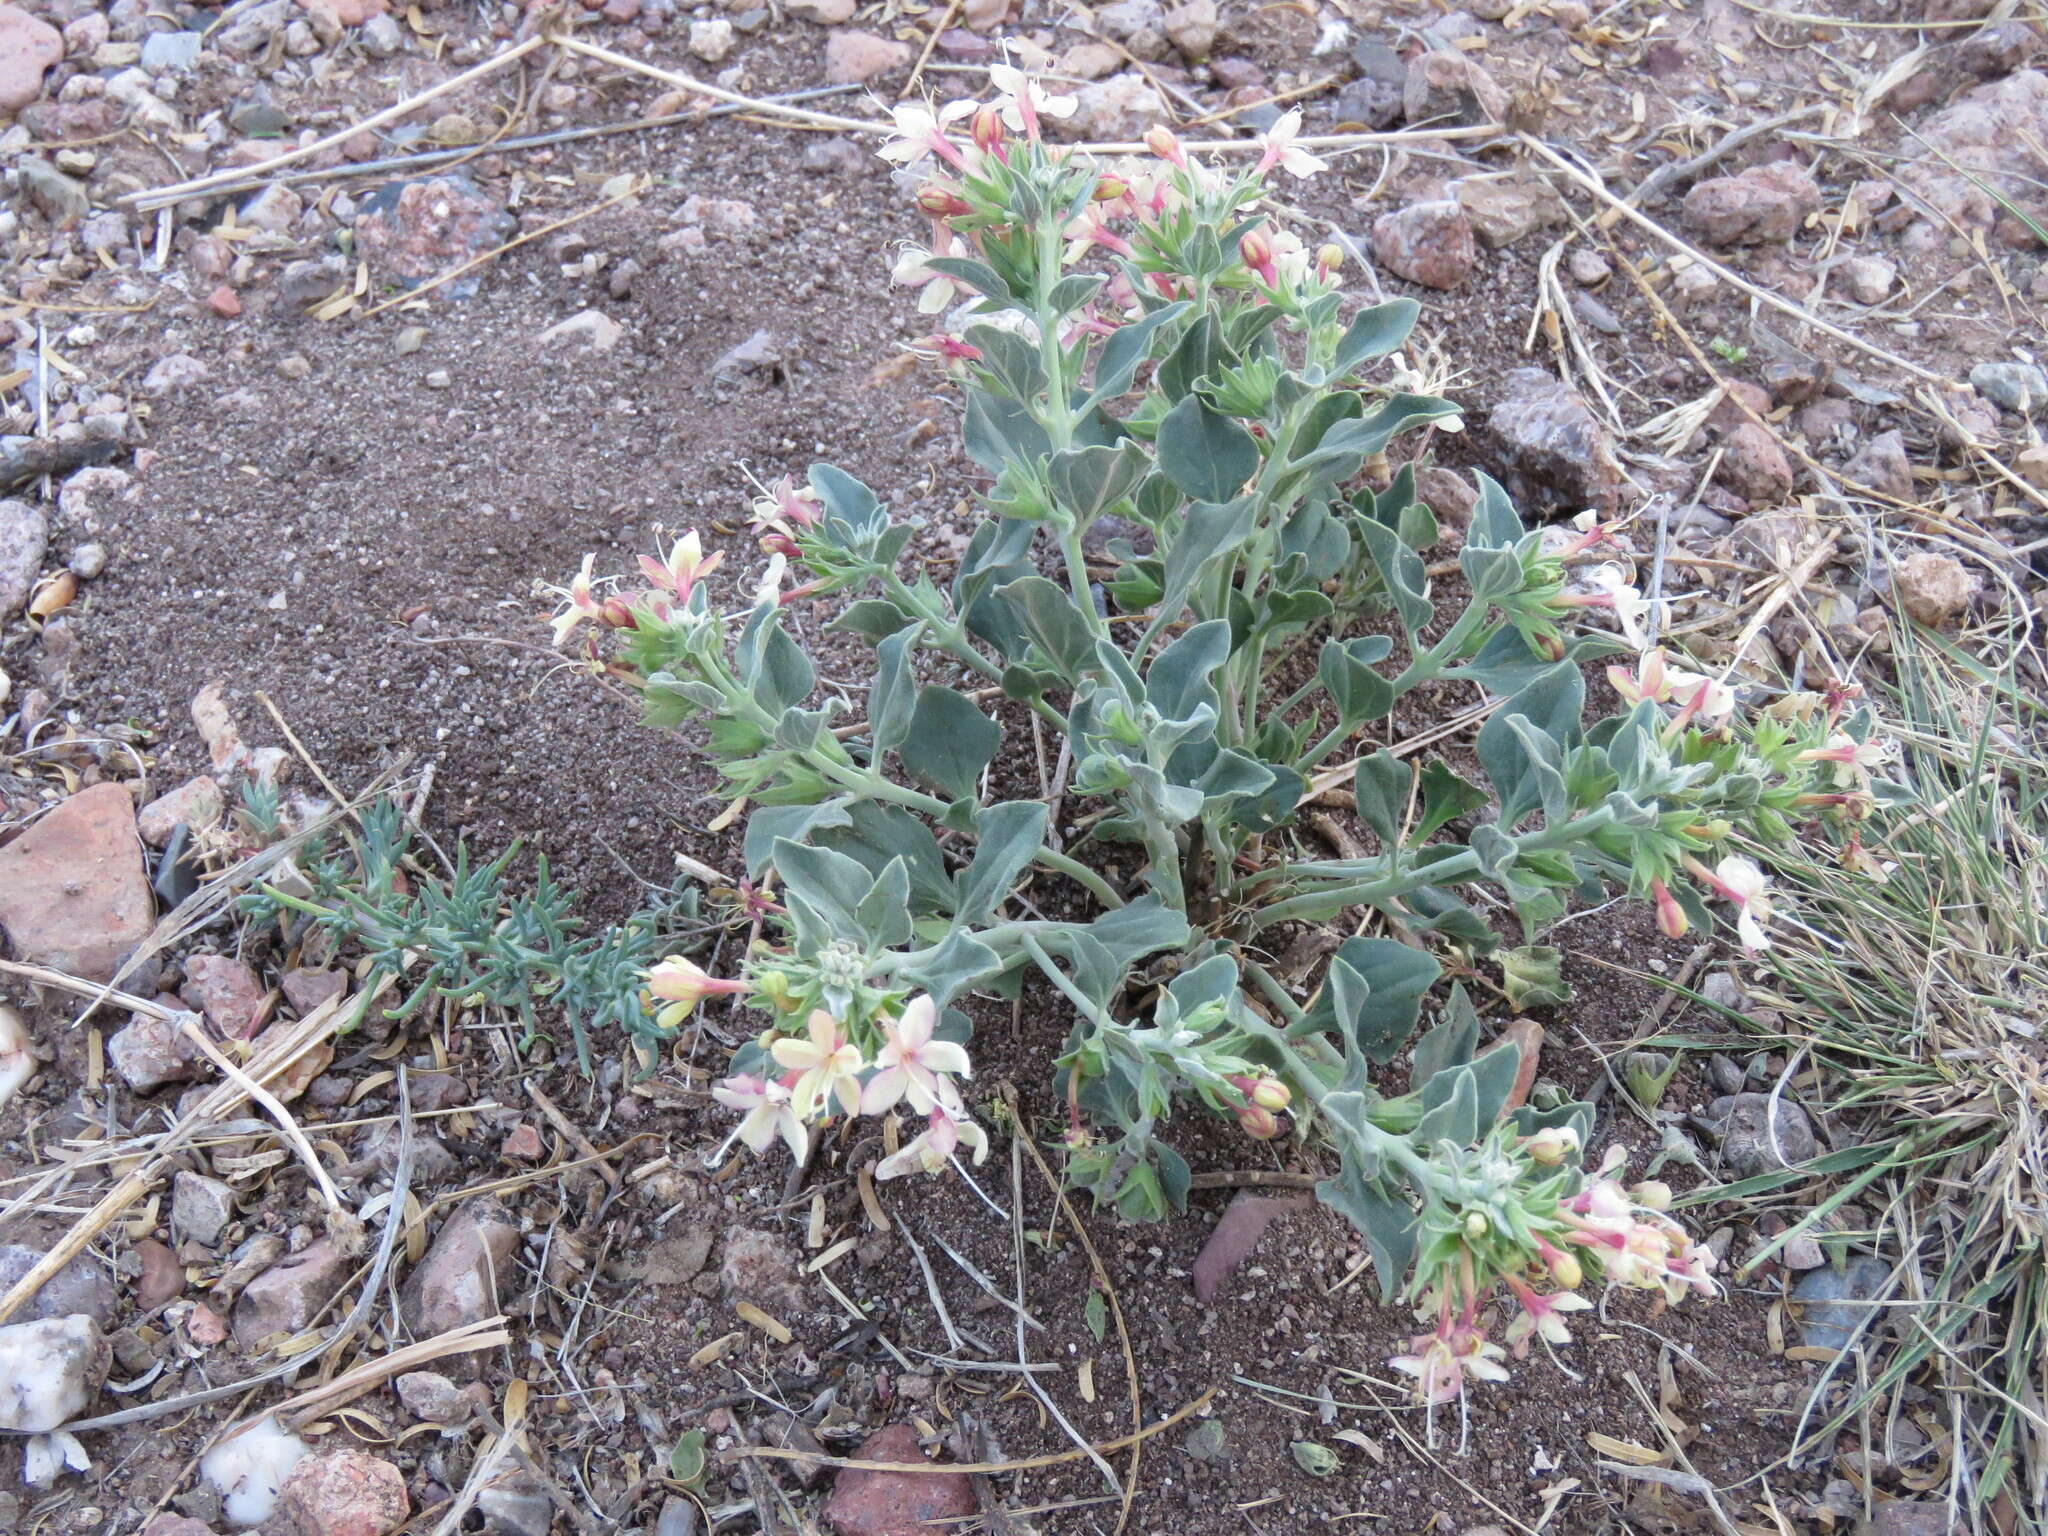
{"x": 80, "y": 1286}
{"x": 381, "y": 35}
{"x": 61, "y": 198}
{"x": 170, "y": 52}
{"x": 517, "y": 1506}
{"x": 678, "y": 1517}
{"x": 104, "y": 231}
{"x": 252, "y": 30}
{"x": 1883, "y": 466}
{"x": 1914, "y": 1517}
{"x": 761, "y": 1268}
{"x": 1553, "y": 450}
{"x": 304, "y": 283}
{"x": 432, "y": 1398}
{"x": 1700, "y": 521}
{"x": 834, "y": 157}
{"x": 1833, "y": 1304}
{"x": 2016, "y": 386}
{"x": 24, "y": 535}
{"x": 460, "y": 1279}
{"x": 50, "y": 1371}
{"x": 1753, "y": 1140}
{"x": 201, "y": 1207}
{"x": 258, "y": 118}
{"x": 149, "y": 1052}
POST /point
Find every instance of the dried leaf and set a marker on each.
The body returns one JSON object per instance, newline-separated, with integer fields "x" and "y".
{"x": 53, "y": 596}
{"x": 1624, "y": 1450}
{"x": 753, "y": 1316}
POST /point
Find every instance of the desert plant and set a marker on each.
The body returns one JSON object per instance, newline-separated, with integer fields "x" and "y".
{"x": 1144, "y": 342}
{"x": 470, "y": 936}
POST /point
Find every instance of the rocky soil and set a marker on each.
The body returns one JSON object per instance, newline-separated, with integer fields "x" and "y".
{"x": 1768, "y": 283}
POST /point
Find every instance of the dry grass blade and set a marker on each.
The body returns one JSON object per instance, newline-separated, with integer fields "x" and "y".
{"x": 221, "y": 1101}
{"x": 157, "y": 197}
{"x": 1921, "y": 995}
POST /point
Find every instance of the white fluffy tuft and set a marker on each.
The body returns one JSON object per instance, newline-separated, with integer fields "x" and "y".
{"x": 247, "y": 1469}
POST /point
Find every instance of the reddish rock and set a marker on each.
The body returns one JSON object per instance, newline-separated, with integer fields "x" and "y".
{"x": 1235, "y": 1235}
{"x": 306, "y": 990}
{"x": 59, "y": 122}
{"x": 1729, "y": 411}
{"x": 225, "y": 302}
{"x": 345, "y": 13}
{"x": 197, "y": 803}
{"x": 344, "y": 1493}
{"x": 823, "y": 13}
{"x": 524, "y": 1144}
{"x": 1447, "y": 494}
{"x": 73, "y": 893}
{"x": 1754, "y": 467}
{"x": 286, "y": 1297}
{"x": 1883, "y": 466}
{"x": 460, "y": 1279}
{"x": 761, "y": 1268}
{"x": 295, "y": 1079}
{"x": 897, "y": 1503}
{"x": 1553, "y": 451}
{"x": 438, "y": 1090}
{"x": 176, "y": 1525}
{"x": 1763, "y": 205}
{"x": 1429, "y": 243}
{"x": 163, "y": 1277}
{"x": 149, "y": 1052}
{"x": 854, "y": 58}
{"x": 203, "y": 1326}
{"x": 227, "y": 992}
{"x": 28, "y": 47}
{"x": 415, "y": 230}
{"x": 1934, "y": 589}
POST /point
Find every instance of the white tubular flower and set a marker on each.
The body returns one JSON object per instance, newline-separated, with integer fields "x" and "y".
{"x": 1281, "y": 150}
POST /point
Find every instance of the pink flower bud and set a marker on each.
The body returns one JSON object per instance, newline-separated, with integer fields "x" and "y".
{"x": 941, "y": 201}
{"x": 1552, "y": 1145}
{"x": 1257, "y": 253}
{"x": 1565, "y": 1269}
{"x": 1258, "y": 1123}
{"x": 988, "y": 130}
{"x": 1161, "y": 142}
{"x": 1271, "y": 1093}
{"x": 1653, "y": 1193}
{"x": 1110, "y": 188}
{"x": 1671, "y": 918}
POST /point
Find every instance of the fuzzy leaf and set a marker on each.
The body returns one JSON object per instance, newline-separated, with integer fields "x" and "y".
{"x": 892, "y": 695}
{"x": 1054, "y": 624}
{"x": 1445, "y": 797}
{"x": 1117, "y": 363}
{"x": 1177, "y": 684}
{"x": 1382, "y": 783}
{"x": 1532, "y": 977}
{"x": 1373, "y": 333}
{"x": 950, "y": 741}
{"x": 1205, "y": 453}
{"x": 1450, "y": 1044}
{"x": 1088, "y": 481}
{"x": 1382, "y": 1216}
{"x": 1010, "y": 834}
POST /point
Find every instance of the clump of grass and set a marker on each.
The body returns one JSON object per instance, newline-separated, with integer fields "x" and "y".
{"x": 1923, "y": 998}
